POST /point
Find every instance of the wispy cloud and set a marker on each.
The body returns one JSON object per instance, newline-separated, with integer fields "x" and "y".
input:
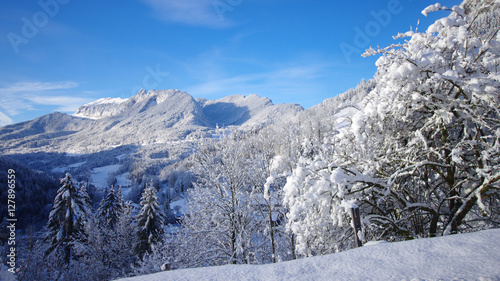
{"x": 287, "y": 81}
{"x": 23, "y": 87}
{"x": 4, "y": 119}
{"x": 192, "y": 12}
{"x": 63, "y": 103}
{"x": 18, "y": 98}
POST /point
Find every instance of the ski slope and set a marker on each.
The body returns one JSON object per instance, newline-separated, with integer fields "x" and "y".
{"x": 472, "y": 256}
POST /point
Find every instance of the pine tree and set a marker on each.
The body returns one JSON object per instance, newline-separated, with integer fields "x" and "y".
{"x": 149, "y": 222}
{"x": 110, "y": 209}
{"x": 119, "y": 196}
{"x": 69, "y": 213}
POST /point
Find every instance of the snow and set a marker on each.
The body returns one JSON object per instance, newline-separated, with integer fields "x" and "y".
{"x": 108, "y": 100}
{"x": 153, "y": 117}
{"x": 99, "y": 176}
{"x": 126, "y": 193}
{"x": 180, "y": 206}
{"x": 5, "y": 274}
{"x": 105, "y": 107}
{"x": 471, "y": 256}
{"x": 431, "y": 8}
{"x": 63, "y": 169}
{"x": 122, "y": 180}
{"x": 343, "y": 116}
{"x": 249, "y": 111}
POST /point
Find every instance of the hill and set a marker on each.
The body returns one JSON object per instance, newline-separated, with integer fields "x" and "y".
{"x": 471, "y": 256}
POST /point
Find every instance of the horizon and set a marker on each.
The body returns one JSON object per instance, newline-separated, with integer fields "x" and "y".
{"x": 59, "y": 54}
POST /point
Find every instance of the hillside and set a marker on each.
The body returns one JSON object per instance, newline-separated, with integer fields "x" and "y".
{"x": 146, "y": 118}
{"x": 472, "y": 256}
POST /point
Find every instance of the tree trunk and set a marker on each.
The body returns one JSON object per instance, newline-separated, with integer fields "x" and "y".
{"x": 271, "y": 230}
{"x": 233, "y": 246}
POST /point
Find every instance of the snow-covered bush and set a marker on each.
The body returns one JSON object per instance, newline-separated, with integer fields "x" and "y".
{"x": 421, "y": 157}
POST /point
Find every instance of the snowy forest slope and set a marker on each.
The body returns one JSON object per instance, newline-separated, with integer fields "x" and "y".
{"x": 472, "y": 256}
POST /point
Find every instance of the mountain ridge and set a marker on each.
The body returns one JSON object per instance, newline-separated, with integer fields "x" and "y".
{"x": 155, "y": 116}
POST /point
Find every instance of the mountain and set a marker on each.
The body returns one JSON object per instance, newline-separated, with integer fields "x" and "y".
{"x": 156, "y": 116}
{"x": 128, "y": 139}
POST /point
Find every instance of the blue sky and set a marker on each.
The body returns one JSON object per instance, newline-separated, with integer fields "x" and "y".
{"x": 58, "y": 54}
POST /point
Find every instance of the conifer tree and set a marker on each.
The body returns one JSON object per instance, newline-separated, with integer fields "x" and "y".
{"x": 69, "y": 214}
{"x": 110, "y": 209}
{"x": 119, "y": 196}
{"x": 149, "y": 222}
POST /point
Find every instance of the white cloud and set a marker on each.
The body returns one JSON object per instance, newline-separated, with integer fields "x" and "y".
{"x": 4, "y": 119}
{"x": 23, "y": 87}
{"x": 64, "y": 103}
{"x": 12, "y": 104}
{"x": 21, "y": 97}
{"x": 192, "y": 12}
{"x": 289, "y": 81}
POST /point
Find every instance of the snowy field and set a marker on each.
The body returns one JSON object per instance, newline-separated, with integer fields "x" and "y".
{"x": 473, "y": 256}
{"x": 64, "y": 169}
{"x": 99, "y": 176}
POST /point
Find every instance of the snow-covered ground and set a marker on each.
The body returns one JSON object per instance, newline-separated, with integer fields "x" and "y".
{"x": 99, "y": 176}
{"x": 179, "y": 206}
{"x": 122, "y": 180}
{"x": 472, "y": 256}
{"x": 63, "y": 169}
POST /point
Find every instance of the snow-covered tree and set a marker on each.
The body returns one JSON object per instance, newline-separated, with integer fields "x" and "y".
{"x": 437, "y": 98}
{"x": 157, "y": 260}
{"x": 109, "y": 254}
{"x": 149, "y": 222}
{"x": 109, "y": 237}
{"x": 67, "y": 219}
{"x": 315, "y": 194}
{"x": 270, "y": 153}
{"x": 222, "y": 225}
{"x": 421, "y": 156}
{"x": 126, "y": 234}
{"x": 111, "y": 208}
